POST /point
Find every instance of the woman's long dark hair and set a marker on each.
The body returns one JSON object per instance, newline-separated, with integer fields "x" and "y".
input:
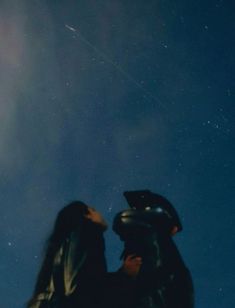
{"x": 70, "y": 218}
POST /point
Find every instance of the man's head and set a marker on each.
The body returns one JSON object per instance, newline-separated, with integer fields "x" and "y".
{"x": 149, "y": 212}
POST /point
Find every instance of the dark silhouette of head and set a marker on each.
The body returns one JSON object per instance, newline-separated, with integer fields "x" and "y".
{"x": 71, "y": 217}
{"x": 149, "y": 212}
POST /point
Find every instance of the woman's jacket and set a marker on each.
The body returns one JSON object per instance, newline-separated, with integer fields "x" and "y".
{"x": 78, "y": 269}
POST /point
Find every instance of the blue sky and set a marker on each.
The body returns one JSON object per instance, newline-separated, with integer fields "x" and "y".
{"x": 107, "y": 96}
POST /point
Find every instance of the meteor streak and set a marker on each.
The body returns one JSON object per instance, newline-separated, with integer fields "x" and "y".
{"x": 114, "y": 64}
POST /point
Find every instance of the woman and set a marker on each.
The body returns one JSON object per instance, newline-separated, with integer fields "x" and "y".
{"x": 74, "y": 263}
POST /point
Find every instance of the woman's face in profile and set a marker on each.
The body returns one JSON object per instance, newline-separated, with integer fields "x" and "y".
{"x": 96, "y": 217}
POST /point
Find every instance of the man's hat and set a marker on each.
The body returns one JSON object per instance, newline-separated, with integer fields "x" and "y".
{"x": 148, "y": 209}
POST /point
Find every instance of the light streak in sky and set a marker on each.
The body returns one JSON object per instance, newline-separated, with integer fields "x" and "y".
{"x": 114, "y": 64}
{"x": 70, "y": 28}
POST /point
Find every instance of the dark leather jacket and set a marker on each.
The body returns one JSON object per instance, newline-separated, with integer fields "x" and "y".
{"x": 163, "y": 282}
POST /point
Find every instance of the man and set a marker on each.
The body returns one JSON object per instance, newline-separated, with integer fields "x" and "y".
{"x": 153, "y": 274}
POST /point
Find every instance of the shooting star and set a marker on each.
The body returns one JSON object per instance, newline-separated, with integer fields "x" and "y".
{"x": 114, "y": 64}
{"x": 70, "y": 28}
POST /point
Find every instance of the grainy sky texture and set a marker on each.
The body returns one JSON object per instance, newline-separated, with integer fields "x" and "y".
{"x": 98, "y": 97}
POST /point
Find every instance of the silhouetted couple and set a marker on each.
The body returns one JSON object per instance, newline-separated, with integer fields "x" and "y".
{"x": 74, "y": 272}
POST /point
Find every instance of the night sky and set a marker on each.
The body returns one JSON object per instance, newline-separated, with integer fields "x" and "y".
{"x": 99, "y": 97}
